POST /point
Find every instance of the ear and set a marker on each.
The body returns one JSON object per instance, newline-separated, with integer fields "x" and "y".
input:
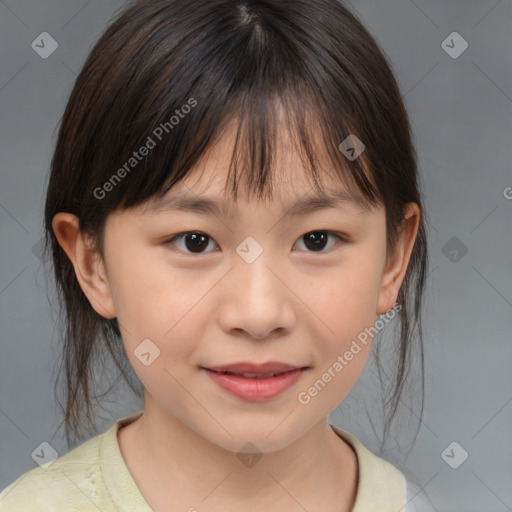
{"x": 397, "y": 264}
{"x": 89, "y": 267}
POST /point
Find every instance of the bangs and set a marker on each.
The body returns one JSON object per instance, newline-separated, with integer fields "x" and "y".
{"x": 268, "y": 127}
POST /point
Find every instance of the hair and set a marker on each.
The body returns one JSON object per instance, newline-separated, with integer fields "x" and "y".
{"x": 232, "y": 62}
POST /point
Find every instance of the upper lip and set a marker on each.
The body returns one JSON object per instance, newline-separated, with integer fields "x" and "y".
{"x": 270, "y": 367}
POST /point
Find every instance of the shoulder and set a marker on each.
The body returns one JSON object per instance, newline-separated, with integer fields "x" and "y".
{"x": 382, "y": 486}
{"x": 68, "y": 483}
{"x": 416, "y": 499}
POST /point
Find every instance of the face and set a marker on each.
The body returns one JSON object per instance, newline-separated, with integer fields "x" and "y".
{"x": 257, "y": 283}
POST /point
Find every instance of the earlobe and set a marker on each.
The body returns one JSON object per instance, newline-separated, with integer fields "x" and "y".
{"x": 396, "y": 268}
{"x": 89, "y": 268}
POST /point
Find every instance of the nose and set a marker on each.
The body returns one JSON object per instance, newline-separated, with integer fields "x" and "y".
{"x": 256, "y": 301}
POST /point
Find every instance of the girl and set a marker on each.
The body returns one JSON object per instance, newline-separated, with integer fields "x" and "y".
{"x": 233, "y": 200}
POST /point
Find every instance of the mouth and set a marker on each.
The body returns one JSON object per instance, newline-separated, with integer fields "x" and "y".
{"x": 255, "y": 383}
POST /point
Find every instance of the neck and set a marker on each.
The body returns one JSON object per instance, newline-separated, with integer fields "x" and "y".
{"x": 317, "y": 468}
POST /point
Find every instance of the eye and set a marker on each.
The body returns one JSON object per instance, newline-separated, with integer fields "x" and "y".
{"x": 196, "y": 241}
{"x": 316, "y": 240}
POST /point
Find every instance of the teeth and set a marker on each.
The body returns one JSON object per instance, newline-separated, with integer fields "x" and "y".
{"x": 258, "y": 375}
{"x": 252, "y": 375}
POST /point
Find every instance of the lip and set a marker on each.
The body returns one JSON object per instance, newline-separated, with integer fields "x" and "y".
{"x": 246, "y": 367}
{"x": 255, "y": 389}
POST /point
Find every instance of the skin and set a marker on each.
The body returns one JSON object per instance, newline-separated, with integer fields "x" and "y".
{"x": 292, "y": 304}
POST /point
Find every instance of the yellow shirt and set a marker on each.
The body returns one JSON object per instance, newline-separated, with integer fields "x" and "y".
{"x": 94, "y": 477}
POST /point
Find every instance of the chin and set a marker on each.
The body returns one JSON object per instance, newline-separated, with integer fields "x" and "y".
{"x": 267, "y": 437}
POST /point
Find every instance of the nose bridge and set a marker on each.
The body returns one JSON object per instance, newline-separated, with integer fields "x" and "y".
{"x": 252, "y": 271}
{"x": 256, "y": 298}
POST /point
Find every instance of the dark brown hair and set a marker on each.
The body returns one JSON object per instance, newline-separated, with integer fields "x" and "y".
{"x": 230, "y": 61}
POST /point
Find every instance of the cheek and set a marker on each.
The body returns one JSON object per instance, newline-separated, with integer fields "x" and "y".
{"x": 344, "y": 300}
{"x": 153, "y": 301}
{"x": 342, "y": 350}
{"x": 161, "y": 325}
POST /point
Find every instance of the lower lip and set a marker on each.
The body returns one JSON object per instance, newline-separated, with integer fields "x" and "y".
{"x": 252, "y": 389}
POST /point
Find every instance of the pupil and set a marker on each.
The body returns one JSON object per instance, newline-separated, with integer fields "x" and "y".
{"x": 313, "y": 238}
{"x": 198, "y": 241}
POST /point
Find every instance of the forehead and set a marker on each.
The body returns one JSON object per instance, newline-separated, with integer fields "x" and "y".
{"x": 291, "y": 184}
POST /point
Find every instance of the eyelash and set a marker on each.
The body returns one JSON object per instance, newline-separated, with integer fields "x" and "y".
{"x": 342, "y": 239}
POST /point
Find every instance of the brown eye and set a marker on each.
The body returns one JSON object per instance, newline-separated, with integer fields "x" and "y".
{"x": 315, "y": 241}
{"x": 194, "y": 241}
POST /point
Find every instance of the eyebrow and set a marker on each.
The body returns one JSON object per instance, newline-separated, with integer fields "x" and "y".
{"x": 303, "y": 206}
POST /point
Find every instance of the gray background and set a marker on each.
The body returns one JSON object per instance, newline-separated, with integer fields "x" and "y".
{"x": 461, "y": 110}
